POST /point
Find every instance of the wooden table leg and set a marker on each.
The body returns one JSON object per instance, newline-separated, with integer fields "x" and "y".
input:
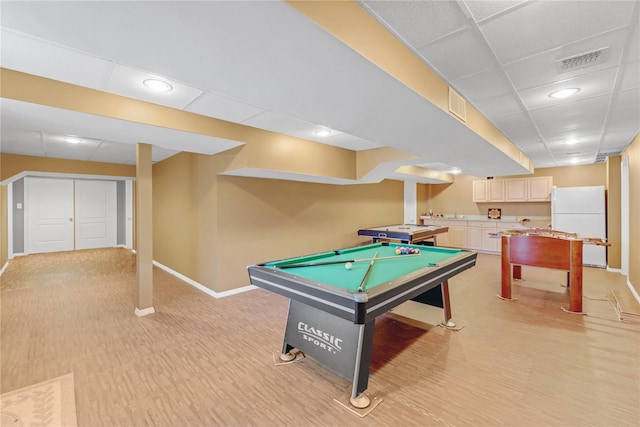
{"x": 506, "y": 269}
{"x": 575, "y": 275}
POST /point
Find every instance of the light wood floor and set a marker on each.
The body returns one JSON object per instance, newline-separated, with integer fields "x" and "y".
{"x": 208, "y": 362}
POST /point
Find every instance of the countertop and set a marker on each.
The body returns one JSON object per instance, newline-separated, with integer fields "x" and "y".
{"x": 529, "y": 221}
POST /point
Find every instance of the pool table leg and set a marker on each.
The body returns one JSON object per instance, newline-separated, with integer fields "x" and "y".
{"x": 287, "y": 355}
{"x": 446, "y": 305}
{"x": 364, "y": 349}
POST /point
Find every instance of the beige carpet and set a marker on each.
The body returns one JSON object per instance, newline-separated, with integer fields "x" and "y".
{"x": 47, "y": 404}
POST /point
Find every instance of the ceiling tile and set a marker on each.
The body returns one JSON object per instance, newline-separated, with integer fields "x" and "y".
{"x": 544, "y": 68}
{"x": 562, "y": 150}
{"x": 499, "y": 106}
{"x": 630, "y": 76}
{"x": 481, "y": 10}
{"x": 626, "y": 119}
{"x": 349, "y": 142}
{"x": 20, "y": 141}
{"x": 583, "y": 129}
{"x": 55, "y": 141}
{"x": 541, "y": 155}
{"x": 460, "y": 54}
{"x": 524, "y": 134}
{"x": 486, "y": 84}
{"x": 512, "y": 35}
{"x": 627, "y": 99}
{"x": 617, "y": 140}
{"x": 213, "y": 105}
{"x": 590, "y": 85}
{"x": 407, "y": 19}
{"x": 633, "y": 50}
{"x": 587, "y": 136}
{"x": 116, "y": 152}
{"x": 28, "y": 54}
{"x": 576, "y": 112}
{"x": 509, "y": 121}
{"x": 282, "y": 123}
{"x": 13, "y": 135}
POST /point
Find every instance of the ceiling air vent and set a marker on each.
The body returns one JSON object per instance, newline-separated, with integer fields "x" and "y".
{"x": 583, "y": 60}
{"x": 601, "y": 157}
{"x": 457, "y": 105}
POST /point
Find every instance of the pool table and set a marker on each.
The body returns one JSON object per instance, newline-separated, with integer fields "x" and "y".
{"x": 332, "y": 321}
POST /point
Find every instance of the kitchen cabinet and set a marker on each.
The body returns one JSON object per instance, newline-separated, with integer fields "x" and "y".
{"x": 456, "y": 237}
{"x": 535, "y": 189}
{"x": 479, "y": 236}
{"x": 540, "y": 188}
{"x": 489, "y": 190}
{"x": 516, "y": 190}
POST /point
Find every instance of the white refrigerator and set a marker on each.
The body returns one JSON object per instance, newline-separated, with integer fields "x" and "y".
{"x": 581, "y": 210}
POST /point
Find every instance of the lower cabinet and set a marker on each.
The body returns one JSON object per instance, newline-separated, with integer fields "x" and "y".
{"x": 479, "y": 236}
{"x": 458, "y": 236}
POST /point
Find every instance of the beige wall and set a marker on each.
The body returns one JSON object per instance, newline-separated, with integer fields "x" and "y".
{"x": 633, "y": 153}
{"x": 614, "y": 187}
{"x": 173, "y": 214}
{"x": 209, "y": 227}
{"x": 13, "y": 164}
{"x": 457, "y": 197}
{"x": 422, "y": 197}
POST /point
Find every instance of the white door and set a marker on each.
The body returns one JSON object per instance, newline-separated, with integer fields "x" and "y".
{"x": 96, "y": 210}
{"x": 48, "y": 215}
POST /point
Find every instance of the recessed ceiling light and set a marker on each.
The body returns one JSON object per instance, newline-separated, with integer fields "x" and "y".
{"x": 157, "y": 85}
{"x": 572, "y": 141}
{"x": 564, "y": 93}
{"x": 322, "y": 132}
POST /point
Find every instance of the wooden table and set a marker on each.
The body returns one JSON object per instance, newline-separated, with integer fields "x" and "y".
{"x": 543, "y": 250}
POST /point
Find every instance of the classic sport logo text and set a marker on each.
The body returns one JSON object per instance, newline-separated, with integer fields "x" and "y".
{"x": 320, "y": 338}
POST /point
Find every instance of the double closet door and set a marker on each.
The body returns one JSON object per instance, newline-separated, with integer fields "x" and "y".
{"x": 67, "y": 214}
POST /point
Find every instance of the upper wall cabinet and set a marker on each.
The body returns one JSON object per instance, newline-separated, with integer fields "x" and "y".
{"x": 536, "y": 189}
{"x": 540, "y": 188}
{"x": 490, "y": 190}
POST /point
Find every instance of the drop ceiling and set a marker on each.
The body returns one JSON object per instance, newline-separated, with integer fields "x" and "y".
{"x": 265, "y": 65}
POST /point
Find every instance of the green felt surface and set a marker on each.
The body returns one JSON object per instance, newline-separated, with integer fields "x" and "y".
{"x": 383, "y": 270}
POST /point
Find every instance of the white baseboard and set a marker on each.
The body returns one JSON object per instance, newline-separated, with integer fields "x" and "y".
{"x": 202, "y": 287}
{"x": 4, "y": 267}
{"x": 614, "y": 270}
{"x": 144, "y": 311}
{"x": 633, "y": 290}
